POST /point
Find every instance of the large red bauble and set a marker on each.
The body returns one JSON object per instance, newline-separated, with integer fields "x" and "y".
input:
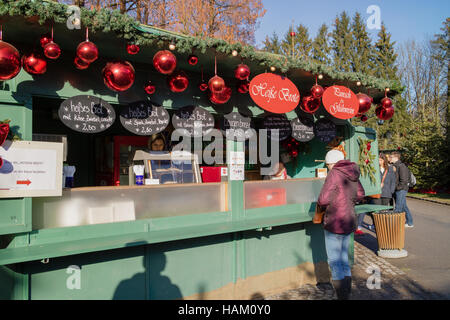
{"x": 384, "y": 113}
{"x": 34, "y": 63}
{"x": 386, "y": 102}
{"x": 118, "y": 75}
{"x": 365, "y": 102}
{"x": 45, "y": 38}
{"x": 164, "y": 62}
{"x": 132, "y": 48}
{"x": 52, "y": 50}
{"x": 193, "y": 60}
{"x": 87, "y": 51}
{"x": 309, "y": 104}
{"x": 243, "y": 86}
{"x": 178, "y": 81}
{"x": 203, "y": 86}
{"x": 216, "y": 84}
{"x": 220, "y": 98}
{"x": 150, "y": 88}
{"x": 80, "y": 64}
{"x": 9, "y": 61}
{"x": 317, "y": 91}
{"x": 242, "y": 72}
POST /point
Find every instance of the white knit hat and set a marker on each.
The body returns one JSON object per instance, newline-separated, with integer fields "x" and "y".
{"x": 334, "y": 156}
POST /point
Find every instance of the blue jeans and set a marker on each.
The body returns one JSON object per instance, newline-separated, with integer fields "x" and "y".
{"x": 400, "y": 205}
{"x": 337, "y": 252}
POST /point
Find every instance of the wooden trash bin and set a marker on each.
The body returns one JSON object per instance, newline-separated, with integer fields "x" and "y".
{"x": 390, "y": 231}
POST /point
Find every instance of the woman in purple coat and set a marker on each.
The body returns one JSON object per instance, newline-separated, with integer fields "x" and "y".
{"x": 338, "y": 196}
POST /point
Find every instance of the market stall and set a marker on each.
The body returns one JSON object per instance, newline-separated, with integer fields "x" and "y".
{"x": 113, "y": 218}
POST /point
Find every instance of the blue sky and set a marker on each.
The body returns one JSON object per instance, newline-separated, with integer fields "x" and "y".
{"x": 404, "y": 20}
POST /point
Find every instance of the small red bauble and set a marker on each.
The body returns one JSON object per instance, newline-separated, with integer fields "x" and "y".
{"x": 364, "y": 118}
{"x": 292, "y": 34}
{"x": 52, "y": 50}
{"x": 45, "y": 38}
{"x": 164, "y": 62}
{"x": 309, "y": 104}
{"x": 386, "y": 102}
{"x": 221, "y": 97}
{"x": 150, "y": 88}
{"x": 365, "y": 103}
{"x": 80, "y": 64}
{"x": 243, "y": 86}
{"x": 366, "y": 161}
{"x": 132, "y": 48}
{"x": 178, "y": 81}
{"x": 193, "y": 60}
{"x": 242, "y": 72}
{"x": 9, "y": 61}
{"x": 384, "y": 113}
{"x": 87, "y": 51}
{"x": 118, "y": 75}
{"x": 34, "y": 63}
{"x": 203, "y": 86}
{"x": 317, "y": 91}
{"x": 216, "y": 84}
{"x": 294, "y": 153}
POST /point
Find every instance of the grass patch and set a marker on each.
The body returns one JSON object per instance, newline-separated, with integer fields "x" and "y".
{"x": 439, "y": 197}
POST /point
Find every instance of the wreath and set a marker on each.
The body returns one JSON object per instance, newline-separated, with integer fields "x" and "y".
{"x": 366, "y": 159}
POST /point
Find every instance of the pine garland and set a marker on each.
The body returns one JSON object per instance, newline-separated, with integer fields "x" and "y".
{"x": 366, "y": 159}
{"x": 105, "y": 20}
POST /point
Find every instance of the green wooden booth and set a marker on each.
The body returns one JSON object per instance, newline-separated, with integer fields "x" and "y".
{"x": 193, "y": 241}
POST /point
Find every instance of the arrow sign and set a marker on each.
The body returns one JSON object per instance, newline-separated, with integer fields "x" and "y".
{"x": 27, "y": 182}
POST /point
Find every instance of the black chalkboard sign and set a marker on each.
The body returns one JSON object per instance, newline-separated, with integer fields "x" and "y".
{"x": 325, "y": 130}
{"x": 237, "y": 127}
{"x": 143, "y": 118}
{"x": 193, "y": 121}
{"x": 278, "y": 122}
{"x": 87, "y": 114}
{"x": 302, "y": 129}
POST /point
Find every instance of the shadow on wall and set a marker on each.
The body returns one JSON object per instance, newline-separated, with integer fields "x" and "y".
{"x": 319, "y": 254}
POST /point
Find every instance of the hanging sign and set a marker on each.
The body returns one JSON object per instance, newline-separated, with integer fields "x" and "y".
{"x": 302, "y": 129}
{"x": 278, "y": 126}
{"x": 274, "y": 93}
{"x": 87, "y": 114}
{"x": 237, "y": 127}
{"x": 340, "y": 102}
{"x": 325, "y": 130}
{"x": 193, "y": 121}
{"x": 143, "y": 118}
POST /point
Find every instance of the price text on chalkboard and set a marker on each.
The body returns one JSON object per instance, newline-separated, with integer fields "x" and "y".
{"x": 302, "y": 129}
{"x": 280, "y": 123}
{"x": 325, "y": 130}
{"x": 143, "y": 118}
{"x": 193, "y": 121}
{"x": 87, "y": 114}
{"x": 237, "y": 127}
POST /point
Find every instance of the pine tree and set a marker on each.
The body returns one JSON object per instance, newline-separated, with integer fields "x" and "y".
{"x": 341, "y": 43}
{"x": 302, "y": 43}
{"x": 385, "y": 56}
{"x": 362, "y": 50}
{"x": 272, "y": 44}
{"x": 321, "y": 49}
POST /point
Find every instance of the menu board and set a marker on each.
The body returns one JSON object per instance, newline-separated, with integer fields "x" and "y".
{"x": 325, "y": 130}
{"x": 143, "y": 118}
{"x": 237, "y": 127}
{"x": 193, "y": 121}
{"x": 87, "y": 114}
{"x": 302, "y": 129}
{"x": 278, "y": 126}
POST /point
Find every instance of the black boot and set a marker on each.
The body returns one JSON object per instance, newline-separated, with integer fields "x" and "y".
{"x": 339, "y": 287}
{"x": 347, "y": 288}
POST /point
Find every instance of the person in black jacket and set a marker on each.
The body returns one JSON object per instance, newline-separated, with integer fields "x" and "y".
{"x": 402, "y": 177}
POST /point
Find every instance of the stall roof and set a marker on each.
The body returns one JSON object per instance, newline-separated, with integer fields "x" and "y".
{"x": 110, "y": 29}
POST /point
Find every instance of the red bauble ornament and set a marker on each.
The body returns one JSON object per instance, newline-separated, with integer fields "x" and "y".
{"x": 118, "y": 75}
{"x": 243, "y": 86}
{"x": 4, "y": 130}
{"x": 364, "y": 101}
{"x": 52, "y": 50}
{"x": 164, "y": 62}
{"x": 292, "y": 34}
{"x": 386, "y": 102}
{"x": 150, "y": 88}
{"x": 293, "y": 153}
{"x": 80, "y": 64}
{"x": 317, "y": 91}
{"x": 9, "y": 61}
{"x": 216, "y": 84}
{"x": 309, "y": 104}
{"x": 366, "y": 161}
{"x": 242, "y": 72}
{"x": 364, "y": 118}
{"x": 384, "y": 113}
{"x": 45, "y": 38}
{"x": 34, "y": 63}
{"x": 193, "y": 60}
{"x": 203, "y": 86}
{"x": 178, "y": 81}
{"x": 132, "y": 48}
{"x": 221, "y": 97}
{"x": 87, "y": 51}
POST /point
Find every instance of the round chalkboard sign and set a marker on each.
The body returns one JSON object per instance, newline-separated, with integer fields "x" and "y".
{"x": 302, "y": 129}
{"x": 278, "y": 126}
{"x": 143, "y": 118}
{"x": 193, "y": 121}
{"x": 237, "y": 127}
{"x": 325, "y": 130}
{"x": 87, "y": 114}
